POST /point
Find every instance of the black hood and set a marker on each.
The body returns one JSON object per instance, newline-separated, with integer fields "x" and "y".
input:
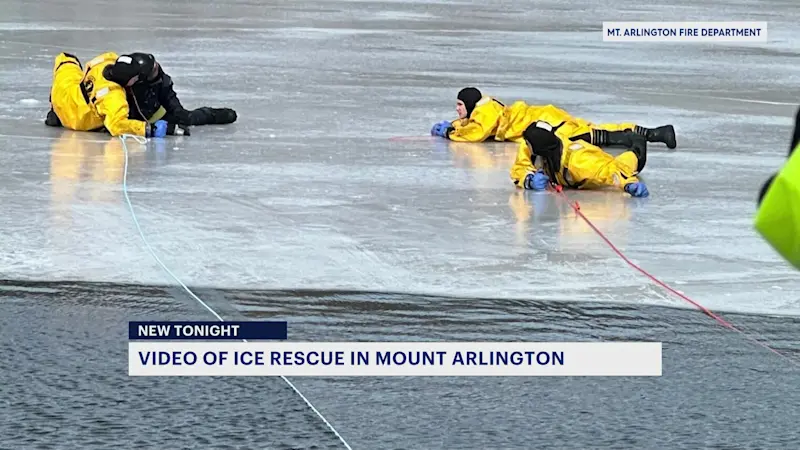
{"x": 470, "y": 96}
{"x": 543, "y": 142}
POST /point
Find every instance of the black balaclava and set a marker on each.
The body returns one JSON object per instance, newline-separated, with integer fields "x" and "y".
{"x": 544, "y": 143}
{"x": 470, "y": 96}
{"x": 133, "y": 68}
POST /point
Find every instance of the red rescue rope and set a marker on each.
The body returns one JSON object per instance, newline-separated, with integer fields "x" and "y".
{"x": 575, "y": 206}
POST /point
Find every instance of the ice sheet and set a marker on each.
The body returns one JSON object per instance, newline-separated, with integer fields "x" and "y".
{"x": 307, "y": 190}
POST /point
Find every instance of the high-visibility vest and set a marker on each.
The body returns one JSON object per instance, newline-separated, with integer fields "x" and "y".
{"x": 778, "y": 215}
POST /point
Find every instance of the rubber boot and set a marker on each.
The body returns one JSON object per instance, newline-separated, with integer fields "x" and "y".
{"x": 52, "y": 119}
{"x": 639, "y": 147}
{"x": 626, "y": 139}
{"x": 212, "y": 116}
{"x": 664, "y": 134}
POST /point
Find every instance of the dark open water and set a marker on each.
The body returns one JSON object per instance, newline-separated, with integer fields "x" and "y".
{"x": 65, "y": 384}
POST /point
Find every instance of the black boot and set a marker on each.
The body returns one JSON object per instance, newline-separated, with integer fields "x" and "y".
{"x": 639, "y": 147}
{"x": 665, "y": 134}
{"x": 628, "y": 139}
{"x": 224, "y": 116}
{"x": 52, "y": 119}
{"x": 212, "y": 116}
{"x": 602, "y": 138}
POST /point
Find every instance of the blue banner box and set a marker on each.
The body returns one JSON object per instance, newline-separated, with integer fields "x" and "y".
{"x": 207, "y": 331}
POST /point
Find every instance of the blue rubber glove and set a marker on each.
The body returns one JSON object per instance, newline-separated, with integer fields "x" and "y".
{"x": 158, "y": 129}
{"x": 440, "y": 129}
{"x": 537, "y": 181}
{"x": 637, "y": 189}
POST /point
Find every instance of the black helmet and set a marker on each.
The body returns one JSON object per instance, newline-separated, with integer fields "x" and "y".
{"x": 134, "y": 68}
{"x": 543, "y": 142}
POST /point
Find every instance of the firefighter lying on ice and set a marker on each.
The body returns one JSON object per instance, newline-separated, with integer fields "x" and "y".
{"x": 127, "y": 94}
{"x": 546, "y": 157}
{"x": 778, "y": 215}
{"x": 481, "y": 118}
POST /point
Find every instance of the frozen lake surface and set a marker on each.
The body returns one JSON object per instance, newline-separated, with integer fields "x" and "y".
{"x": 329, "y": 181}
{"x": 309, "y": 190}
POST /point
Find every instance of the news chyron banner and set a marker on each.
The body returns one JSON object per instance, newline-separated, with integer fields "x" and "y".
{"x": 258, "y": 348}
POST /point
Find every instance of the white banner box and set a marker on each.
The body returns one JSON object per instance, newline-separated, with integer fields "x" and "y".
{"x": 739, "y": 32}
{"x": 393, "y": 359}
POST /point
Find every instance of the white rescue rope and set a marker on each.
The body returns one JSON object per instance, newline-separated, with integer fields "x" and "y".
{"x": 143, "y": 140}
